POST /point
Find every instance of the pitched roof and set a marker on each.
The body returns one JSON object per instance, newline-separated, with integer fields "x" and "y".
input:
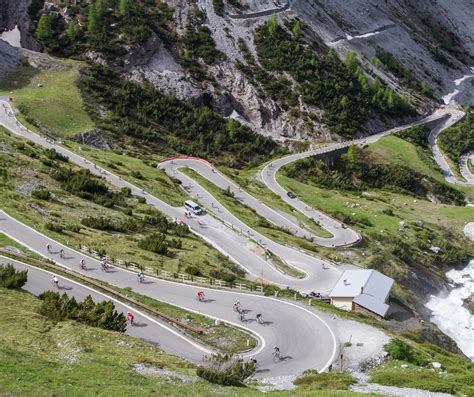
{"x": 376, "y": 288}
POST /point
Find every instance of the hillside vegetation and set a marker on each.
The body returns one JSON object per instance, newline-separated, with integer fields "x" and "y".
{"x": 458, "y": 139}
{"x": 60, "y": 199}
{"x": 340, "y": 88}
{"x": 153, "y": 121}
{"x": 399, "y": 227}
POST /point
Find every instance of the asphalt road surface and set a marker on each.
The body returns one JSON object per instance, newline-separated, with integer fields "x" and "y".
{"x": 304, "y": 337}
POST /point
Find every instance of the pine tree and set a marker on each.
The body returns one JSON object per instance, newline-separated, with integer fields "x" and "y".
{"x": 124, "y": 8}
{"x": 71, "y": 31}
{"x": 44, "y": 30}
{"x": 92, "y": 20}
{"x": 272, "y": 24}
{"x": 296, "y": 29}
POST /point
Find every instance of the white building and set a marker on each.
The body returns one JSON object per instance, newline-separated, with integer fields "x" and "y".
{"x": 362, "y": 289}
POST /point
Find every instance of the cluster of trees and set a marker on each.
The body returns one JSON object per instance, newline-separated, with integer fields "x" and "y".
{"x": 459, "y": 139}
{"x": 84, "y": 184}
{"x": 58, "y": 307}
{"x": 164, "y": 124}
{"x": 405, "y": 74}
{"x": 12, "y": 278}
{"x": 358, "y": 171}
{"x": 158, "y": 244}
{"x": 226, "y": 369}
{"x": 417, "y": 135}
{"x": 199, "y": 43}
{"x": 106, "y": 26}
{"x": 340, "y": 88}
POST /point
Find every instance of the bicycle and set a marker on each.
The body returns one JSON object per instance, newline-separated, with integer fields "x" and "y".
{"x": 241, "y": 316}
{"x": 276, "y": 356}
{"x": 83, "y": 264}
{"x": 200, "y": 297}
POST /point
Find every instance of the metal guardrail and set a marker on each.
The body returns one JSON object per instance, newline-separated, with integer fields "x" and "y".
{"x": 182, "y": 277}
{"x": 168, "y": 318}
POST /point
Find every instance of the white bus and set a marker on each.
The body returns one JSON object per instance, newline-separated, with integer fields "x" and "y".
{"x": 193, "y": 207}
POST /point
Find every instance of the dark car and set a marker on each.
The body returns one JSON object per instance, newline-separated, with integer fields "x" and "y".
{"x": 291, "y": 195}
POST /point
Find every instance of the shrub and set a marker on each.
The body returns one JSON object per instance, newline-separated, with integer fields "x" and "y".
{"x": 154, "y": 243}
{"x": 225, "y": 370}
{"x": 137, "y": 174}
{"x": 193, "y": 270}
{"x": 126, "y": 191}
{"x": 102, "y": 315}
{"x": 223, "y": 275}
{"x": 41, "y": 194}
{"x": 313, "y": 380}
{"x": 12, "y": 278}
{"x": 74, "y": 228}
{"x": 54, "y": 227}
{"x": 52, "y": 154}
{"x": 400, "y": 350}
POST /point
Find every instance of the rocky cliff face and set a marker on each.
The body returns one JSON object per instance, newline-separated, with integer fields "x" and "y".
{"x": 432, "y": 38}
{"x": 9, "y": 58}
{"x": 15, "y": 13}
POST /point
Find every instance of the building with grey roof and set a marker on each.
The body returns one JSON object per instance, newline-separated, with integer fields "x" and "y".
{"x": 362, "y": 288}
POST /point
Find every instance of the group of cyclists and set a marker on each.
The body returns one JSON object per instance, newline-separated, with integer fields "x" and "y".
{"x": 200, "y": 296}
{"x": 241, "y": 313}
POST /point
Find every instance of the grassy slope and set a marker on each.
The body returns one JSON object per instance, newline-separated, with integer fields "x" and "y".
{"x": 39, "y": 358}
{"x": 221, "y": 337}
{"x": 394, "y": 150}
{"x": 57, "y": 105}
{"x": 154, "y": 180}
{"x": 399, "y": 151}
{"x": 24, "y": 173}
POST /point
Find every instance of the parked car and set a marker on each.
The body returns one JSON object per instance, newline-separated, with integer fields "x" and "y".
{"x": 291, "y": 195}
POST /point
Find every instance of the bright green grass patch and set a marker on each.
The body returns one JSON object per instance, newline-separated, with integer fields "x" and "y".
{"x": 57, "y": 105}
{"x": 40, "y": 358}
{"x": 395, "y": 150}
{"x": 151, "y": 178}
{"x": 247, "y": 179}
{"x": 312, "y": 380}
{"x": 392, "y": 374}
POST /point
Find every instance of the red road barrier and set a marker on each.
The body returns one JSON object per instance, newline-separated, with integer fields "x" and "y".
{"x": 184, "y": 158}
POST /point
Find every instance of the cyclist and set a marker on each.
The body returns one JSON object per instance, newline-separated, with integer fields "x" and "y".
{"x": 140, "y": 277}
{"x": 200, "y": 295}
{"x": 103, "y": 264}
{"x": 55, "y": 281}
{"x": 237, "y": 306}
{"x": 61, "y": 253}
{"x": 48, "y": 247}
{"x": 276, "y": 353}
{"x": 241, "y": 315}
{"x": 259, "y": 318}
{"x": 83, "y": 264}
{"x": 253, "y": 360}
{"x": 130, "y": 318}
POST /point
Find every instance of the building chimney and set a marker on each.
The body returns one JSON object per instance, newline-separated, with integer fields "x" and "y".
{"x": 361, "y": 290}
{"x": 345, "y": 282}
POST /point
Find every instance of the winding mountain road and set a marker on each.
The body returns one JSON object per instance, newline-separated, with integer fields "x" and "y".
{"x": 240, "y": 247}
{"x": 456, "y": 115}
{"x": 304, "y": 337}
{"x": 147, "y": 327}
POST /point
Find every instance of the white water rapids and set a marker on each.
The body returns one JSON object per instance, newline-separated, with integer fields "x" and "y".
{"x": 449, "y": 314}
